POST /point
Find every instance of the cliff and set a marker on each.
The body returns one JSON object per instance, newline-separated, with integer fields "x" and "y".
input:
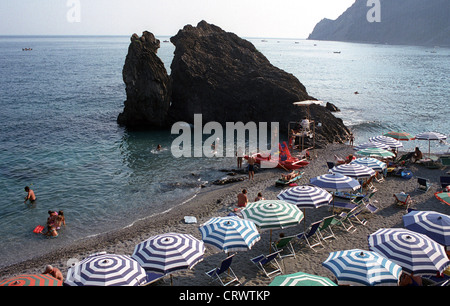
{"x": 402, "y": 22}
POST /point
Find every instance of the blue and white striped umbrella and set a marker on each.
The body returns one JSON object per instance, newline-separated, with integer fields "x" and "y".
{"x": 433, "y": 224}
{"x": 372, "y": 144}
{"x": 106, "y": 270}
{"x": 355, "y": 171}
{"x": 414, "y": 252}
{"x": 230, "y": 234}
{"x": 169, "y": 252}
{"x": 373, "y": 163}
{"x": 335, "y": 181}
{"x": 391, "y": 142}
{"x": 359, "y": 267}
{"x": 306, "y": 196}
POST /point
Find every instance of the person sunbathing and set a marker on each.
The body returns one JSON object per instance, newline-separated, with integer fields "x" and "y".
{"x": 290, "y": 176}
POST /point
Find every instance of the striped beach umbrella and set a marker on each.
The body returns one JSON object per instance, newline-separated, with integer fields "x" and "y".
{"x": 306, "y": 196}
{"x": 362, "y": 268}
{"x": 31, "y": 280}
{"x": 272, "y": 214}
{"x": 230, "y": 234}
{"x": 106, "y": 270}
{"x": 402, "y": 136}
{"x": 375, "y": 152}
{"x": 391, "y": 142}
{"x": 354, "y": 170}
{"x": 301, "y": 279}
{"x": 414, "y": 252}
{"x": 373, "y": 163}
{"x": 335, "y": 181}
{"x": 167, "y": 253}
{"x": 433, "y": 224}
{"x": 372, "y": 144}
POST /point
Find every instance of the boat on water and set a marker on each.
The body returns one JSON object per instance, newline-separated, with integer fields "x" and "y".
{"x": 285, "y": 160}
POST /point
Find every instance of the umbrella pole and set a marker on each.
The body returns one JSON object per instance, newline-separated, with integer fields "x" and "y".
{"x": 270, "y": 241}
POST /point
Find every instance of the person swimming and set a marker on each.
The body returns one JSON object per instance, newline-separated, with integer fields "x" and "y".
{"x": 30, "y": 195}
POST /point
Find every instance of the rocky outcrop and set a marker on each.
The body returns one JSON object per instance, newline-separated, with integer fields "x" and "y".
{"x": 226, "y": 79}
{"x": 148, "y": 86}
{"x": 403, "y": 22}
{"x": 219, "y": 75}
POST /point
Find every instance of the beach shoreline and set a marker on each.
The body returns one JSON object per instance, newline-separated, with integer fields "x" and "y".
{"x": 214, "y": 201}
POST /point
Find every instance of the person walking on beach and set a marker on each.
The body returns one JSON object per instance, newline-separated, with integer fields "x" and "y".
{"x": 251, "y": 167}
{"x": 30, "y": 195}
{"x": 242, "y": 198}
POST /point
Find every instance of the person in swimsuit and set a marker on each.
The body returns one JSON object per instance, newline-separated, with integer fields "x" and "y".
{"x": 30, "y": 195}
{"x": 251, "y": 167}
{"x": 51, "y": 231}
{"x": 242, "y": 198}
{"x": 60, "y": 220}
{"x": 55, "y": 272}
{"x": 259, "y": 197}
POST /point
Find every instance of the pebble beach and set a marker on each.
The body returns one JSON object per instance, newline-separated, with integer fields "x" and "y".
{"x": 216, "y": 201}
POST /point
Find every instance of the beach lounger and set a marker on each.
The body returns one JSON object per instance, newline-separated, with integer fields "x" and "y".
{"x": 284, "y": 244}
{"x": 325, "y": 229}
{"x": 445, "y": 181}
{"x": 445, "y": 160}
{"x": 330, "y": 165}
{"x": 424, "y": 184}
{"x": 403, "y": 199}
{"x": 343, "y": 219}
{"x": 224, "y": 274}
{"x": 343, "y": 205}
{"x": 311, "y": 237}
{"x": 264, "y": 262}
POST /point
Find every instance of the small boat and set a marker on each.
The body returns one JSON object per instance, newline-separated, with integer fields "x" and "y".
{"x": 285, "y": 160}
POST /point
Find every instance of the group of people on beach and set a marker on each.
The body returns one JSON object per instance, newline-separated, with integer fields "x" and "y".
{"x": 55, "y": 219}
{"x": 242, "y": 199}
{"x": 54, "y": 223}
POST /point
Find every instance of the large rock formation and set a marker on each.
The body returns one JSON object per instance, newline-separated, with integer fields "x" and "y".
{"x": 148, "y": 86}
{"x": 219, "y": 75}
{"x": 226, "y": 79}
{"x": 411, "y": 22}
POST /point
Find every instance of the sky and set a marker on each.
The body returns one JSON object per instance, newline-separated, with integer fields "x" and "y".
{"x": 246, "y": 18}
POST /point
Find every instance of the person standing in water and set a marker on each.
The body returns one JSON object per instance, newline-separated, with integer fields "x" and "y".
{"x": 30, "y": 195}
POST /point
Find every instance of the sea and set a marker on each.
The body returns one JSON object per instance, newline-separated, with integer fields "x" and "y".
{"x": 58, "y": 134}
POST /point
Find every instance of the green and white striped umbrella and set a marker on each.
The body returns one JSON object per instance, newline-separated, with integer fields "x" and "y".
{"x": 301, "y": 279}
{"x": 272, "y": 214}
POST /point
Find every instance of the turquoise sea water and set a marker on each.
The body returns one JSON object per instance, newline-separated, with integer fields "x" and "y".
{"x": 58, "y": 134}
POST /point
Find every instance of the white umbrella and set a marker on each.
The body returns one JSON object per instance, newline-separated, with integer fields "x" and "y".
{"x": 430, "y": 136}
